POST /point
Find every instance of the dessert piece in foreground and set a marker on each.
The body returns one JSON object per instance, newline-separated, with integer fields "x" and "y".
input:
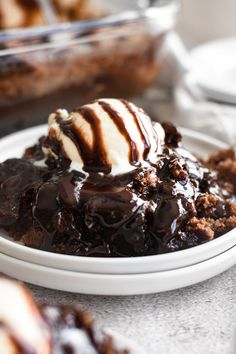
{"x": 108, "y": 182}
{"x": 27, "y": 328}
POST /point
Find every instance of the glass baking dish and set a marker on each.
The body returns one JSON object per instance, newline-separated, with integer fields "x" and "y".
{"x": 67, "y": 64}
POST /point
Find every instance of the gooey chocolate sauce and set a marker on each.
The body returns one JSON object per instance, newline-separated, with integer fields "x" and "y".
{"x": 141, "y": 213}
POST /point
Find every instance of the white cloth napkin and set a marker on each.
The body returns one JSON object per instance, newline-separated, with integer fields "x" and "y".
{"x": 180, "y": 100}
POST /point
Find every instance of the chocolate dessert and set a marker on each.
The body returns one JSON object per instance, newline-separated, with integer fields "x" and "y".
{"x": 26, "y": 327}
{"x": 108, "y": 182}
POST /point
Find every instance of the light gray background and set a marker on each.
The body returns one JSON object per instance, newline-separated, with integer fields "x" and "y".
{"x": 200, "y": 319}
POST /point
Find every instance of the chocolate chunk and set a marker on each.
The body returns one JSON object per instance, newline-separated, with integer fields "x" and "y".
{"x": 173, "y": 136}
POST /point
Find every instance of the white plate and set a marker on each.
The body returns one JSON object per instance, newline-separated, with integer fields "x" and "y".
{"x": 214, "y": 66}
{"x": 116, "y": 284}
{"x": 15, "y": 144}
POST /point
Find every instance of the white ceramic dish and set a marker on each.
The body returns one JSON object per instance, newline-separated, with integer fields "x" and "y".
{"x": 14, "y": 145}
{"x": 214, "y": 66}
{"x": 116, "y": 284}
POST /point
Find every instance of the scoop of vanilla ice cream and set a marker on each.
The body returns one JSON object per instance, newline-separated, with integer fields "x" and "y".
{"x": 20, "y": 319}
{"x": 109, "y": 135}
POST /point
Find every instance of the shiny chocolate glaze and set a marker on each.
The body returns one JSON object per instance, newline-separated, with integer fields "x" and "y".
{"x": 150, "y": 210}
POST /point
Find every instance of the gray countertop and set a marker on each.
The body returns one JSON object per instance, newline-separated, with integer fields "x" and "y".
{"x": 200, "y": 319}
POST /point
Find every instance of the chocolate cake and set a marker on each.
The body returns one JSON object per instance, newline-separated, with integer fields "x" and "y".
{"x": 100, "y": 67}
{"x": 108, "y": 182}
{"x": 47, "y": 329}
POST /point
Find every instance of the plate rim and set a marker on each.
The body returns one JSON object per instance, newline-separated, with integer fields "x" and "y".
{"x": 120, "y": 284}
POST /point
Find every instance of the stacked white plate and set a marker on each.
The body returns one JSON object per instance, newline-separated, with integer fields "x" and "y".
{"x": 115, "y": 276}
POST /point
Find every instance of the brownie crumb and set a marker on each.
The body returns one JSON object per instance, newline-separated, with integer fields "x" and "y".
{"x": 201, "y": 228}
{"x": 209, "y": 205}
{"x": 224, "y": 163}
{"x": 145, "y": 181}
{"x": 172, "y": 135}
{"x": 177, "y": 169}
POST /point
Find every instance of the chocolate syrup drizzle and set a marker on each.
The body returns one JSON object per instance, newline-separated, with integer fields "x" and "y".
{"x": 117, "y": 119}
{"x": 95, "y": 157}
{"x": 141, "y": 128}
